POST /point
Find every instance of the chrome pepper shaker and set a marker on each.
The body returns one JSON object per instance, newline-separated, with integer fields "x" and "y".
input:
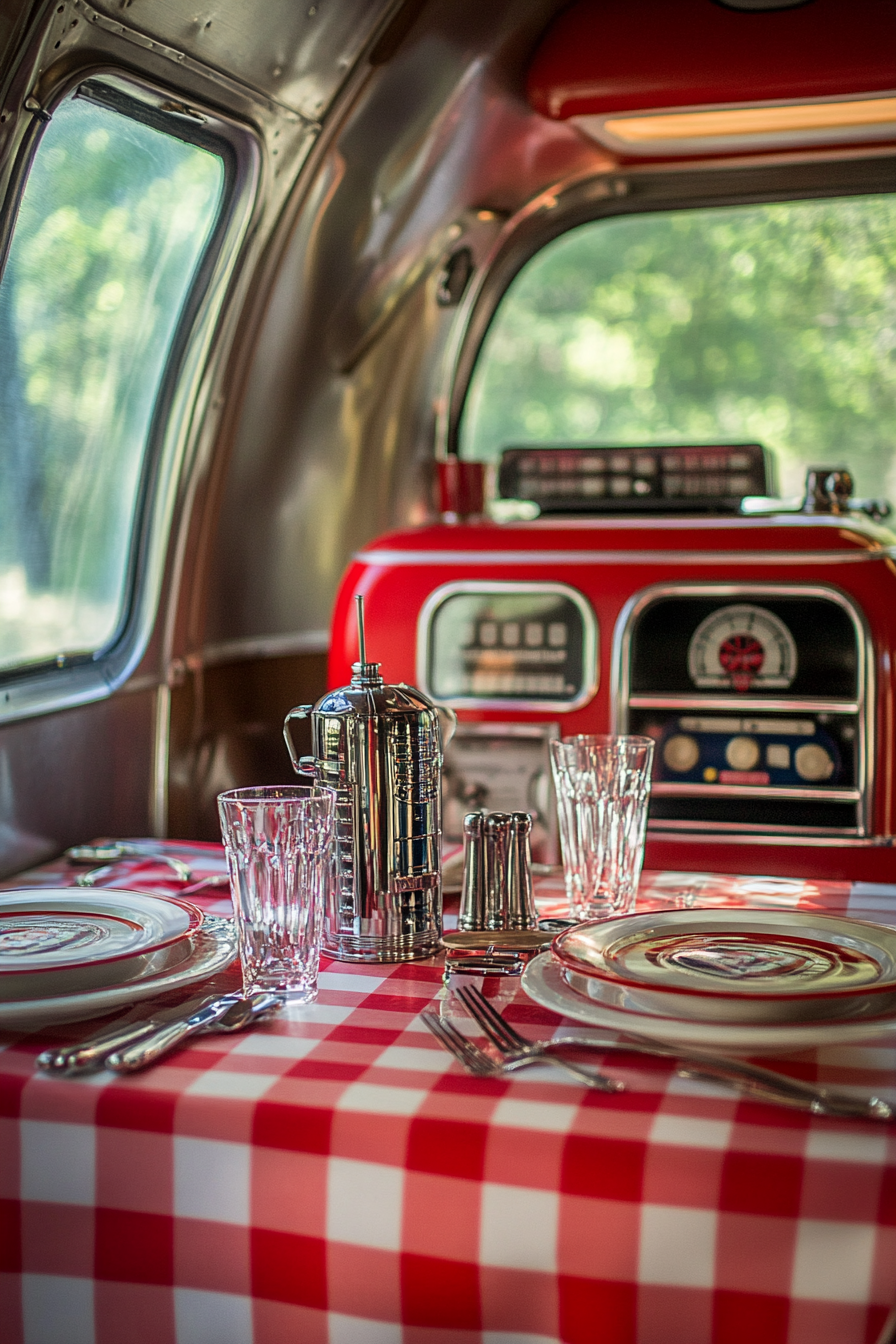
{"x": 497, "y": 863}
{"x": 380, "y": 748}
{"x": 520, "y": 912}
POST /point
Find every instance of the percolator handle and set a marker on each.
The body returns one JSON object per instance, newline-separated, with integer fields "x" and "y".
{"x": 303, "y": 765}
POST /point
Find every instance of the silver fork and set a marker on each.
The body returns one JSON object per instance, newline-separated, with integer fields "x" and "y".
{"x": 477, "y": 1062}
{"x": 749, "y": 1079}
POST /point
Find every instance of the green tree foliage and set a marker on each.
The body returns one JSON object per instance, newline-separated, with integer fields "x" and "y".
{"x": 772, "y": 323}
{"x": 113, "y": 221}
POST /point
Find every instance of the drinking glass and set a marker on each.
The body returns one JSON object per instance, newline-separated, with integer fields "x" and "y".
{"x": 603, "y": 786}
{"x": 278, "y": 845}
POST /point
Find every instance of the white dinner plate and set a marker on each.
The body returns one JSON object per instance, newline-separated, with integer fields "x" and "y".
{"x": 59, "y": 928}
{"x": 210, "y": 949}
{"x": 543, "y": 981}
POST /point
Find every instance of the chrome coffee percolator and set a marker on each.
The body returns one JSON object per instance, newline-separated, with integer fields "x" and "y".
{"x": 380, "y": 748}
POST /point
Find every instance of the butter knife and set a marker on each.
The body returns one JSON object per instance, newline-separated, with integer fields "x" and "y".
{"x": 227, "y": 1014}
{"x": 750, "y": 1080}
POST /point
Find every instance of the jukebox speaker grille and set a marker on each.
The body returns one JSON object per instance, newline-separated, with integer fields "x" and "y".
{"x": 758, "y": 699}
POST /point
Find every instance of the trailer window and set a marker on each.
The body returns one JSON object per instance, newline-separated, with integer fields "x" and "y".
{"x": 113, "y": 222}
{"x": 772, "y": 323}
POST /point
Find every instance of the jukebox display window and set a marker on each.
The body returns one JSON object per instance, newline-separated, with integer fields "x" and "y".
{"x": 757, "y": 702}
{"x": 530, "y": 645}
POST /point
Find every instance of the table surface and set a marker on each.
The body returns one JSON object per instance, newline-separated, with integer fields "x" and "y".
{"x": 334, "y": 1176}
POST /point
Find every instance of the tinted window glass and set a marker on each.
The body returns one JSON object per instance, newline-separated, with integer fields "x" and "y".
{"x": 771, "y": 323}
{"x": 114, "y": 219}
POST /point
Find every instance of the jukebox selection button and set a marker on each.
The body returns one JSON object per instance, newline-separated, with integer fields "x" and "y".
{"x": 813, "y": 763}
{"x": 681, "y": 753}
{"x": 777, "y": 756}
{"x": 742, "y": 753}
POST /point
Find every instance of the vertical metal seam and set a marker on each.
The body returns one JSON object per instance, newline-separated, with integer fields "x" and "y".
{"x": 158, "y": 796}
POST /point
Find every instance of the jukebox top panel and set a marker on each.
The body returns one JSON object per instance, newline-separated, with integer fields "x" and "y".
{"x": 654, "y": 479}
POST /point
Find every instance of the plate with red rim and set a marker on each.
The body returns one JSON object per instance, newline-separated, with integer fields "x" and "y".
{"x": 736, "y": 955}
{"x": 53, "y": 929}
{"x": 548, "y": 985}
{"x": 715, "y": 1010}
{"x": 205, "y": 953}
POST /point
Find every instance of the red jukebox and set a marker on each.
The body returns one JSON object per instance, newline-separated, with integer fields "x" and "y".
{"x": 756, "y": 652}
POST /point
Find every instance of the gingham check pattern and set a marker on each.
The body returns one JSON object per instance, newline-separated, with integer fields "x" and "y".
{"x": 335, "y": 1178}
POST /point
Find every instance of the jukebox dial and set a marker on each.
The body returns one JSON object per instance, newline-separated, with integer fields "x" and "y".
{"x": 813, "y": 763}
{"x": 681, "y": 752}
{"x": 742, "y": 753}
{"x": 743, "y": 647}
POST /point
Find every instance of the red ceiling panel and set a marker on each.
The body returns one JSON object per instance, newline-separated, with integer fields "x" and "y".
{"x": 619, "y": 55}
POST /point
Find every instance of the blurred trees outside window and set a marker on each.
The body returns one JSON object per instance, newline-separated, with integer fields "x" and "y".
{"x": 764, "y": 323}
{"x": 113, "y": 222}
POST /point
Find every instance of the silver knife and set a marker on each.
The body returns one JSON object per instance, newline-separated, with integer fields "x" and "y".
{"x": 89, "y": 1055}
{"x": 227, "y": 1014}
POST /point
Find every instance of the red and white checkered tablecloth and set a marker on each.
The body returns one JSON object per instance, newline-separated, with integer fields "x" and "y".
{"x": 335, "y": 1177}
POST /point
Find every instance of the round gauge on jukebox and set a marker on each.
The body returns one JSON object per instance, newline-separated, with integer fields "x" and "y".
{"x": 742, "y": 647}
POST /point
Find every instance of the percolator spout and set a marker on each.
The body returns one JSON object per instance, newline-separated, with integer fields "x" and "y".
{"x": 364, "y": 673}
{"x": 362, "y": 649}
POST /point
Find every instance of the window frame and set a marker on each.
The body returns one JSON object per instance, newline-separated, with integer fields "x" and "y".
{"x": 58, "y": 683}
{"x": 630, "y": 191}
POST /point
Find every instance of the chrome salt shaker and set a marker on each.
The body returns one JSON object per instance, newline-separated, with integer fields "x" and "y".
{"x": 380, "y": 748}
{"x": 472, "y": 900}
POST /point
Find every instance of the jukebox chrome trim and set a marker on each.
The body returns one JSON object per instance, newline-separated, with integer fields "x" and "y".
{"x": 669, "y": 789}
{"x": 818, "y": 839}
{"x": 746, "y": 704}
{"x": 757, "y": 830}
{"x": 621, "y": 701}
{"x": 590, "y": 644}
{"x": 387, "y": 557}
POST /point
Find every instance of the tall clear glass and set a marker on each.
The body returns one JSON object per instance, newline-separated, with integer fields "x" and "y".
{"x": 278, "y": 844}
{"x": 603, "y": 787}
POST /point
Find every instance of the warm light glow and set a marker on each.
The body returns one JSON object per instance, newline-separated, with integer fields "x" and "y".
{"x": 749, "y": 121}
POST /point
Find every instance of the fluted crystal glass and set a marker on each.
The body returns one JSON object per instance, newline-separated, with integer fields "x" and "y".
{"x": 603, "y": 787}
{"x": 278, "y": 844}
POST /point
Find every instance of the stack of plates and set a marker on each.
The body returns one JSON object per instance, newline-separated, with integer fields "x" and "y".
{"x": 737, "y": 979}
{"x": 67, "y": 953}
